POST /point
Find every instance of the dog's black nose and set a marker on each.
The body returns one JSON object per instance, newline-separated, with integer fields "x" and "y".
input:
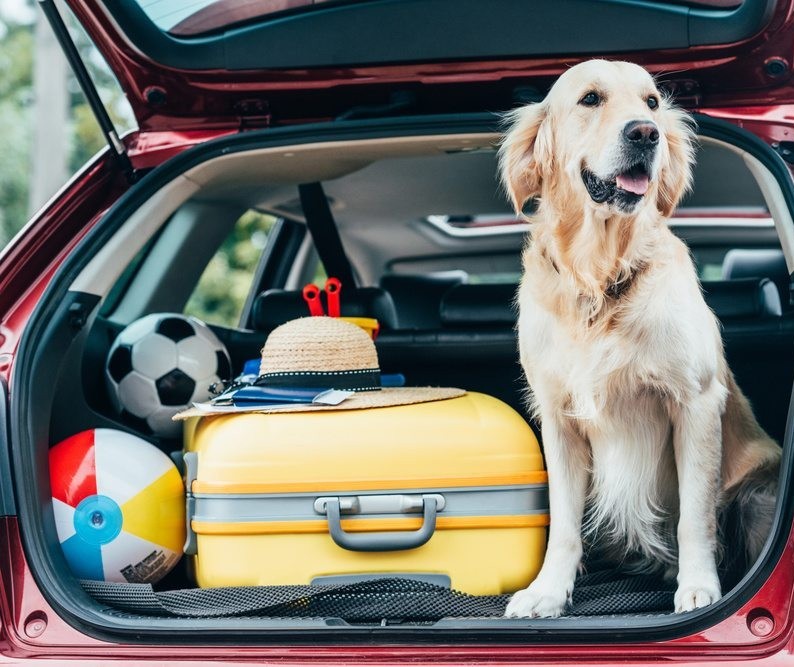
{"x": 641, "y": 133}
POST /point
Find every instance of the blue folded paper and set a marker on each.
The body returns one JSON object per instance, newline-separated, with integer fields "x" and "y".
{"x": 267, "y": 395}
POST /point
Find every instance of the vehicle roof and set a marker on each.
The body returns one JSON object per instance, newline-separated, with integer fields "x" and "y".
{"x": 381, "y": 198}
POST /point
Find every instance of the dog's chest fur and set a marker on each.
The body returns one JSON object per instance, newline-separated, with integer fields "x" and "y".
{"x": 615, "y": 380}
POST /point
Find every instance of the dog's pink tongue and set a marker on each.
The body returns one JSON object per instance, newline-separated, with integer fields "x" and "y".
{"x": 635, "y": 184}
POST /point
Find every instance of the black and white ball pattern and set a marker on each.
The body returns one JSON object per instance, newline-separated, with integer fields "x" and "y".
{"x": 159, "y": 365}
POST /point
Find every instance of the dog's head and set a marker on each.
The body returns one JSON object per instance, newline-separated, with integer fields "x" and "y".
{"x": 603, "y": 132}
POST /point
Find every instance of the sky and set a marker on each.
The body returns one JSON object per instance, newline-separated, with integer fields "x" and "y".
{"x": 17, "y": 11}
{"x": 164, "y": 13}
{"x": 167, "y": 13}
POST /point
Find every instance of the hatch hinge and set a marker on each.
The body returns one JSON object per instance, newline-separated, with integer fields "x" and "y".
{"x": 685, "y": 92}
{"x": 254, "y": 114}
{"x": 785, "y": 149}
{"x": 117, "y": 147}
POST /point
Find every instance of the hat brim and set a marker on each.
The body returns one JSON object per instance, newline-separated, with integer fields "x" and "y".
{"x": 384, "y": 398}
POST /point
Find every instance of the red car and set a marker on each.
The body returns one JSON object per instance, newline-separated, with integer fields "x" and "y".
{"x": 392, "y": 107}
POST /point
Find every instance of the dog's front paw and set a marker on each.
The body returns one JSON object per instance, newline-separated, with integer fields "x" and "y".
{"x": 692, "y": 597}
{"x": 538, "y": 601}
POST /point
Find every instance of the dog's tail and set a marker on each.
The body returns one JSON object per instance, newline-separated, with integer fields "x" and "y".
{"x": 750, "y": 469}
{"x": 747, "y": 518}
{"x": 754, "y": 505}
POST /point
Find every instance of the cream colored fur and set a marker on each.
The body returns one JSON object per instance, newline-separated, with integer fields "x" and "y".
{"x": 623, "y": 358}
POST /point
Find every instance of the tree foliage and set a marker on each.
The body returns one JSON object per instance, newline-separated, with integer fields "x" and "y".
{"x": 222, "y": 289}
{"x": 220, "y": 295}
{"x": 16, "y": 65}
{"x": 16, "y": 106}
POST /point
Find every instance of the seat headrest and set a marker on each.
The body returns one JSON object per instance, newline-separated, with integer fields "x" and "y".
{"x": 489, "y": 304}
{"x": 755, "y": 263}
{"x": 758, "y": 263}
{"x": 417, "y": 297}
{"x": 274, "y": 307}
{"x": 467, "y": 305}
{"x": 743, "y": 298}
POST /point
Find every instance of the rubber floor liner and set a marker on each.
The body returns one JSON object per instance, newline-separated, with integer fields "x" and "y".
{"x": 395, "y": 599}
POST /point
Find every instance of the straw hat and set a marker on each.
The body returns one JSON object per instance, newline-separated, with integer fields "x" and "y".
{"x": 329, "y": 352}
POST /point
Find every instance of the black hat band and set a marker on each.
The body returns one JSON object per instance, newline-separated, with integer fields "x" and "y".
{"x": 361, "y": 379}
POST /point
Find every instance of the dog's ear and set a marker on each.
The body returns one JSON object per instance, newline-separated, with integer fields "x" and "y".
{"x": 525, "y": 153}
{"x": 676, "y": 173}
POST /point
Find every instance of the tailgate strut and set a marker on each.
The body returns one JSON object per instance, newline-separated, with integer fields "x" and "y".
{"x": 87, "y": 85}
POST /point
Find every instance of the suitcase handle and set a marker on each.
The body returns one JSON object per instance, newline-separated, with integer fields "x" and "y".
{"x": 389, "y": 541}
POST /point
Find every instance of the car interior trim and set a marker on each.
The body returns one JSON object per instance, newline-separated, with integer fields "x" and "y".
{"x": 107, "y": 265}
{"x": 48, "y": 335}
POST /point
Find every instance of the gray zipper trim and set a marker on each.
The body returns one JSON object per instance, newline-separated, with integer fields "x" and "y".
{"x": 462, "y": 502}
{"x": 477, "y": 501}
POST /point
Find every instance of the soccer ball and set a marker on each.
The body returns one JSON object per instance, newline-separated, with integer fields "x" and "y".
{"x": 159, "y": 365}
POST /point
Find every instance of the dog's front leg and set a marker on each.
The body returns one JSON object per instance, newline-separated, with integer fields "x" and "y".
{"x": 697, "y": 439}
{"x": 567, "y": 461}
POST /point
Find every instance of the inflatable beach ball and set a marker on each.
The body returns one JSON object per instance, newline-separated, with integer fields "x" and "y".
{"x": 119, "y": 506}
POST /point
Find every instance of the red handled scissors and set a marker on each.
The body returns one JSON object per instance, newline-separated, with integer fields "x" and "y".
{"x": 311, "y": 295}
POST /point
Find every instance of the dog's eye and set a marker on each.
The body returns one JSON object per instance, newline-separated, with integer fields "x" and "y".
{"x": 591, "y": 99}
{"x": 653, "y": 102}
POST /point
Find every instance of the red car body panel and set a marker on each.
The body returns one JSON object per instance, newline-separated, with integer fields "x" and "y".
{"x": 761, "y": 632}
{"x": 31, "y": 629}
{"x": 29, "y": 261}
{"x": 723, "y": 75}
{"x": 727, "y": 81}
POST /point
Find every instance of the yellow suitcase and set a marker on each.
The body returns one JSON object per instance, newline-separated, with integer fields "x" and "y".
{"x": 450, "y": 490}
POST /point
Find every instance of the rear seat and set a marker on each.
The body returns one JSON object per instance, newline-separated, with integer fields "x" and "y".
{"x": 746, "y": 298}
{"x": 759, "y": 345}
{"x": 758, "y": 263}
{"x": 475, "y": 347}
{"x": 490, "y": 305}
{"x": 275, "y": 307}
{"x": 417, "y": 297}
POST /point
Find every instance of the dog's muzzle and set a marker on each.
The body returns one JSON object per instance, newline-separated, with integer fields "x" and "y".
{"x": 626, "y": 187}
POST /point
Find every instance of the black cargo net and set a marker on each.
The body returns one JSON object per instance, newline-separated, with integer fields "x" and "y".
{"x": 392, "y": 599}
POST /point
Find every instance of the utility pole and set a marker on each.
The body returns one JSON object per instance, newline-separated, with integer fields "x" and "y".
{"x": 49, "y": 169}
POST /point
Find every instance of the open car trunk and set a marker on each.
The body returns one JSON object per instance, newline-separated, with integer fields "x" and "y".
{"x": 58, "y": 390}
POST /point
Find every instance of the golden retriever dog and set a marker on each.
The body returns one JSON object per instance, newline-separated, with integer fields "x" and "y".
{"x": 646, "y": 435}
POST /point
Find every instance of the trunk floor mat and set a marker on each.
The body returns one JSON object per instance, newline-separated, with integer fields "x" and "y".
{"x": 595, "y": 594}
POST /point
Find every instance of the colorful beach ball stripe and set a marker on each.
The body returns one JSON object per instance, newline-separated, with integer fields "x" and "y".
{"x": 119, "y": 506}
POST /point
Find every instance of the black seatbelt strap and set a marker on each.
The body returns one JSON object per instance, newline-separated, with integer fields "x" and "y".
{"x": 322, "y": 226}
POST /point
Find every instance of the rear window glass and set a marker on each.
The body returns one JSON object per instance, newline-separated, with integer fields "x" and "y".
{"x": 462, "y": 226}
{"x": 185, "y": 18}
{"x": 480, "y": 268}
{"x": 224, "y": 285}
